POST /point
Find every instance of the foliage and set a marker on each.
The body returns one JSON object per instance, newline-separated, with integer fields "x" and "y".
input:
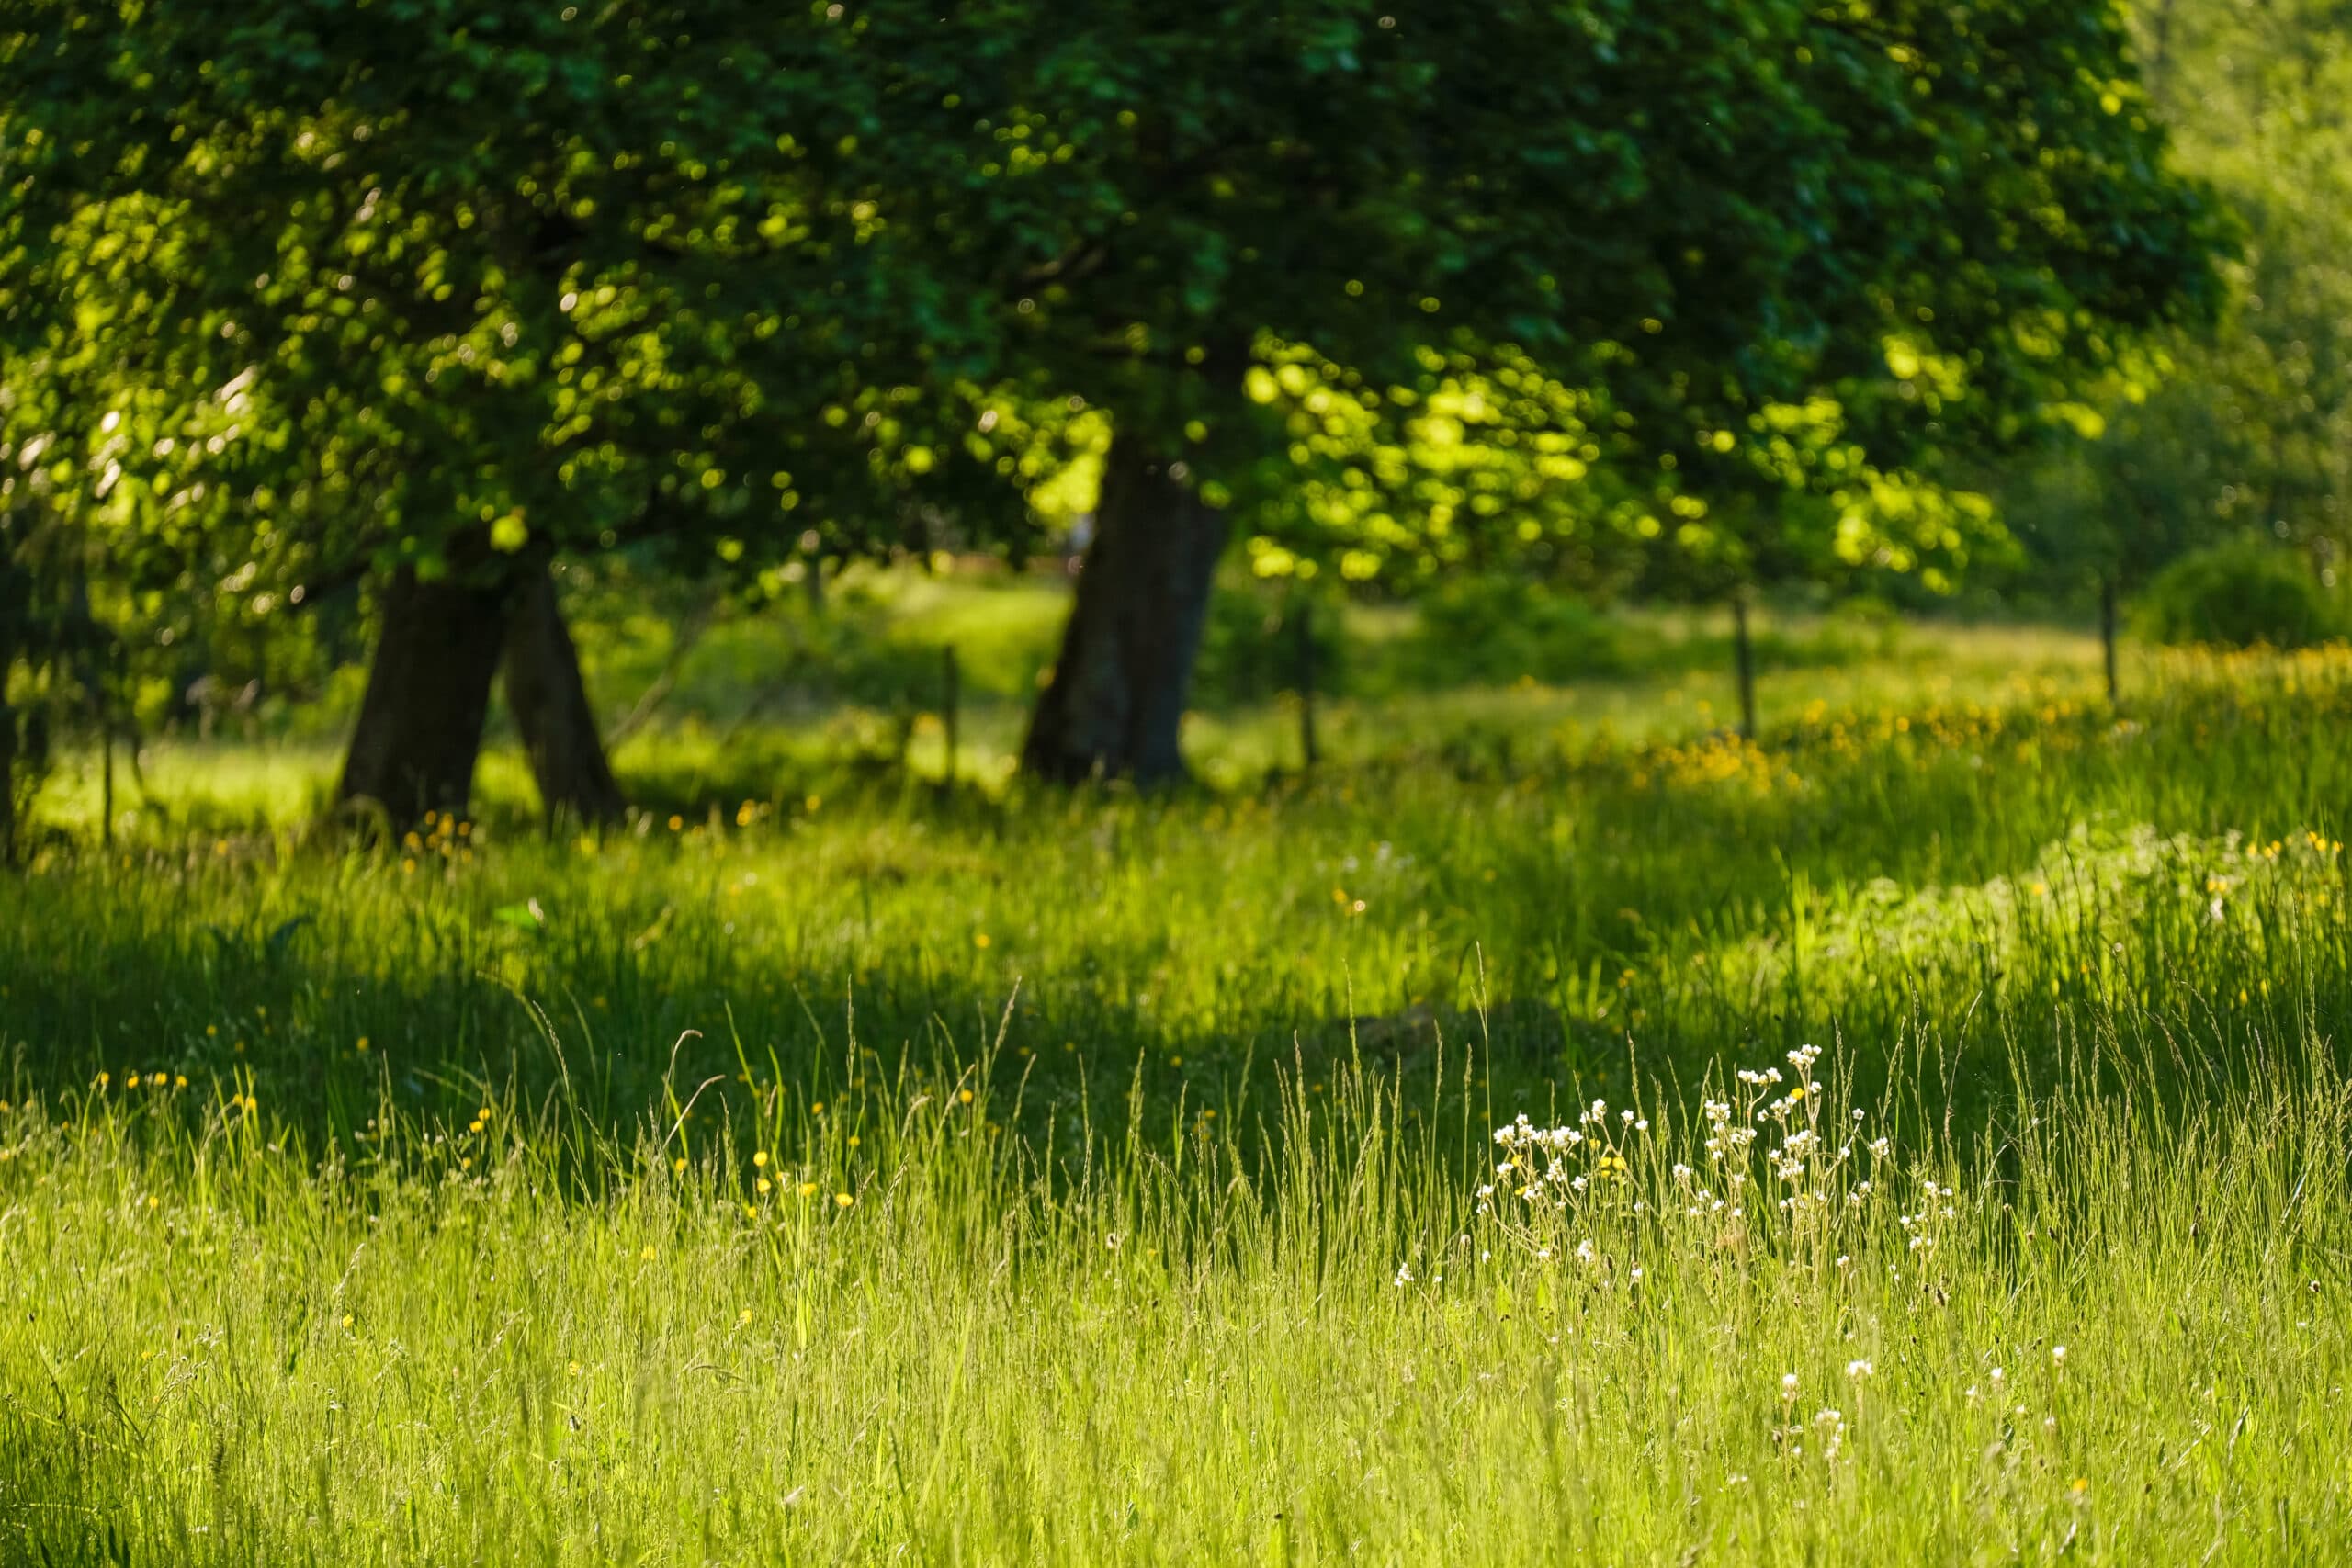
{"x": 2238, "y": 595}
{"x": 460, "y": 284}
{"x": 445, "y": 281}
{"x": 2248, "y": 427}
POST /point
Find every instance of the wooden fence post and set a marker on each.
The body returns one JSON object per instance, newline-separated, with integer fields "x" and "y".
{"x": 2107, "y": 636}
{"x": 1744, "y": 655}
{"x": 1306, "y": 655}
{"x": 951, "y": 701}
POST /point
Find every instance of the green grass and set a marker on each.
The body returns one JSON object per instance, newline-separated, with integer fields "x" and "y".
{"x": 786, "y": 703}
{"x": 1185, "y": 1278}
{"x": 2122, "y": 1337}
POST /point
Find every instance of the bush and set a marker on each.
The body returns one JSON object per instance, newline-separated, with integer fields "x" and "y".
{"x": 2237, "y": 596}
{"x": 1497, "y": 629}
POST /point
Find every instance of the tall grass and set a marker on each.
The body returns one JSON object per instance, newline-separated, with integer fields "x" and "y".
{"x": 876, "y": 1327}
{"x": 893, "y": 1175}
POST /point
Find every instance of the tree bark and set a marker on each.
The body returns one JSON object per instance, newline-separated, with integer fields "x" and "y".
{"x": 550, "y": 702}
{"x": 428, "y": 693}
{"x": 1115, "y": 701}
{"x": 7, "y": 745}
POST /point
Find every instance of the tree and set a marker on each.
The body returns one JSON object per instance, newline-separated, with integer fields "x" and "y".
{"x": 1901, "y": 228}
{"x": 2246, "y": 427}
{"x": 435, "y": 292}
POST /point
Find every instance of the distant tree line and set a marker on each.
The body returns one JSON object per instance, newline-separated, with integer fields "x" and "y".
{"x": 2244, "y": 431}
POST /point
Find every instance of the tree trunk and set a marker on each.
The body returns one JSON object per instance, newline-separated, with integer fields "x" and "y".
{"x": 428, "y": 692}
{"x": 1116, "y": 697}
{"x": 8, "y": 759}
{"x": 551, "y": 706}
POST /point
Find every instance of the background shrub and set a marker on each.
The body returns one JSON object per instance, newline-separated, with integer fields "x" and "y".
{"x": 2238, "y": 595}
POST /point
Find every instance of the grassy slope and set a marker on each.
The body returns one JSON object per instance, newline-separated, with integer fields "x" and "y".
{"x": 1183, "y": 1279}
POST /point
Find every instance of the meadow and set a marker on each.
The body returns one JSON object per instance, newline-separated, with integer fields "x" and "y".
{"x": 1552, "y": 1127}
